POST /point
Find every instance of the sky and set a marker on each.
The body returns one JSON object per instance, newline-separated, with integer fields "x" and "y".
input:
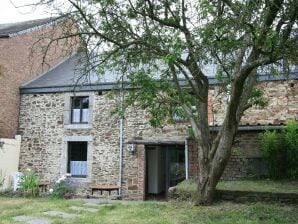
{"x": 10, "y": 14}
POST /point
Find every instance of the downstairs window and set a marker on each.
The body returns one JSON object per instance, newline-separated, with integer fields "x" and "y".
{"x": 77, "y": 159}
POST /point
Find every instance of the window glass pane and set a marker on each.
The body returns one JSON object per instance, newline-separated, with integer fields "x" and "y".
{"x": 76, "y": 115}
{"x": 85, "y": 115}
{"x": 78, "y": 151}
{"x": 76, "y": 102}
{"x": 77, "y": 158}
{"x": 78, "y": 168}
{"x": 85, "y": 102}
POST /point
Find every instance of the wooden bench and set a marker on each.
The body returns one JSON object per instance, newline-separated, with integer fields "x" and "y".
{"x": 104, "y": 187}
{"x": 43, "y": 186}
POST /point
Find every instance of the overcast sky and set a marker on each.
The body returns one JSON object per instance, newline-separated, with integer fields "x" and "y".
{"x": 10, "y": 14}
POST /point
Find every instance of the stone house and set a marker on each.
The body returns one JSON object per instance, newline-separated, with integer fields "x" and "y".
{"x": 20, "y": 61}
{"x": 69, "y": 129}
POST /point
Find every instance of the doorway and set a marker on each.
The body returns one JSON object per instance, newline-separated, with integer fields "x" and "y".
{"x": 165, "y": 167}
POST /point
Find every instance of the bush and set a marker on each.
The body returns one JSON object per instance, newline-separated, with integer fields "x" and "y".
{"x": 63, "y": 188}
{"x": 29, "y": 183}
{"x": 280, "y": 151}
{"x": 290, "y": 135}
{"x": 8, "y": 192}
{"x": 184, "y": 191}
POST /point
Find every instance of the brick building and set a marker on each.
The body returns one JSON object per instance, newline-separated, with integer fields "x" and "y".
{"x": 66, "y": 129}
{"x": 20, "y": 61}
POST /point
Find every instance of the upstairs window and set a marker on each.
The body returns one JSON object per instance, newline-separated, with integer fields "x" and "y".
{"x": 79, "y": 109}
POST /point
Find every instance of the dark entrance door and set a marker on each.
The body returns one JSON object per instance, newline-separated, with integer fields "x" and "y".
{"x": 165, "y": 167}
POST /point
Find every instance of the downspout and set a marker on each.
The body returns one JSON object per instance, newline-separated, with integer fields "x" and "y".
{"x": 186, "y": 159}
{"x": 121, "y": 130}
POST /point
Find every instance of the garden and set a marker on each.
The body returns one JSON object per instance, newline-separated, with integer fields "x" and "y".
{"x": 143, "y": 212}
{"x": 280, "y": 153}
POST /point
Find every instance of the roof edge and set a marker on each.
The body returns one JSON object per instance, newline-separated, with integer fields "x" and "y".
{"x": 117, "y": 85}
{"x": 31, "y": 29}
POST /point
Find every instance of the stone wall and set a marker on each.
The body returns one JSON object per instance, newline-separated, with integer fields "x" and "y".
{"x": 44, "y": 141}
{"x": 45, "y": 132}
{"x": 282, "y": 97}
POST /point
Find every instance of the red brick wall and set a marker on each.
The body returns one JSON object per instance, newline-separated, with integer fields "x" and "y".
{"x": 19, "y": 66}
{"x": 192, "y": 159}
{"x": 133, "y": 183}
{"x": 245, "y": 161}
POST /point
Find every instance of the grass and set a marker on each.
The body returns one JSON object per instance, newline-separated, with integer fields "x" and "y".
{"x": 285, "y": 186}
{"x": 153, "y": 212}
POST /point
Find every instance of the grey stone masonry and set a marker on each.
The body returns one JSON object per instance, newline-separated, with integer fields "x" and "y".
{"x": 46, "y": 130}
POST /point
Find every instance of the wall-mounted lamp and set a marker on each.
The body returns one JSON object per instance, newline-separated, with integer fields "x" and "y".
{"x": 131, "y": 148}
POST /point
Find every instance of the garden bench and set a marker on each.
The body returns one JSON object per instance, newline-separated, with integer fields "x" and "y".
{"x": 43, "y": 186}
{"x": 104, "y": 187}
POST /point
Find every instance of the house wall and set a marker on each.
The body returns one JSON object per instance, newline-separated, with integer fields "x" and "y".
{"x": 19, "y": 63}
{"x": 282, "y": 97}
{"x": 44, "y": 132}
{"x": 9, "y": 158}
{"x": 245, "y": 161}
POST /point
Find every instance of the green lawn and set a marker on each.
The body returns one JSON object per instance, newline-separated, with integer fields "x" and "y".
{"x": 285, "y": 186}
{"x": 153, "y": 212}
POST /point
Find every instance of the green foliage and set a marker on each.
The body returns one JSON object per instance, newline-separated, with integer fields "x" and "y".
{"x": 63, "y": 189}
{"x": 257, "y": 98}
{"x": 190, "y": 132}
{"x": 290, "y": 135}
{"x": 29, "y": 183}
{"x": 280, "y": 151}
{"x": 146, "y": 41}
{"x": 149, "y": 212}
{"x": 239, "y": 154}
{"x": 273, "y": 154}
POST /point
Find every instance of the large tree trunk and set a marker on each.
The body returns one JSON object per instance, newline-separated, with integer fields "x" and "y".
{"x": 211, "y": 166}
{"x": 210, "y": 172}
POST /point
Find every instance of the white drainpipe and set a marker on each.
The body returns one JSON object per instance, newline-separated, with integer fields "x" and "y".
{"x": 121, "y": 130}
{"x": 186, "y": 159}
{"x": 120, "y": 157}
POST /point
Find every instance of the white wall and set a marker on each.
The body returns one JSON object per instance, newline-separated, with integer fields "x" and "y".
{"x": 9, "y": 158}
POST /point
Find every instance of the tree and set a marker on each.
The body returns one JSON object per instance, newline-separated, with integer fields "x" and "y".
{"x": 158, "y": 44}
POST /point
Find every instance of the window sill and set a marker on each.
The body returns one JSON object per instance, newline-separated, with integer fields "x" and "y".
{"x": 80, "y": 179}
{"x": 78, "y": 126}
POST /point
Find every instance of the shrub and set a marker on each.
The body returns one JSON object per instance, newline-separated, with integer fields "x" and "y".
{"x": 29, "y": 183}
{"x": 280, "y": 151}
{"x": 8, "y": 192}
{"x": 290, "y": 136}
{"x": 272, "y": 154}
{"x": 63, "y": 188}
{"x": 184, "y": 191}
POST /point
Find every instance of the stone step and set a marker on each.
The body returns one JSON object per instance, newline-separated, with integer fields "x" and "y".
{"x": 31, "y": 220}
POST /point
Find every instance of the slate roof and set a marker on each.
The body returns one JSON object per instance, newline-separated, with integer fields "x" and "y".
{"x": 64, "y": 77}
{"x": 9, "y": 29}
{"x": 67, "y": 74}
